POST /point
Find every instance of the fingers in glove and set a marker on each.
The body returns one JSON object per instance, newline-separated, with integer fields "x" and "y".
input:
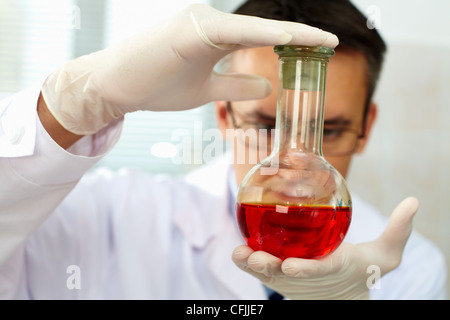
{"x": 223, "y": 29}
{"x": 393, "y": 240}
{"x": 240, "y": 256}
{"x": 237, "y": 87}
{"x": 260, "y": 264}
{"x": 265, "y": 263}
{"x": 314, "y": 268}
{"x": 254, "y": 31}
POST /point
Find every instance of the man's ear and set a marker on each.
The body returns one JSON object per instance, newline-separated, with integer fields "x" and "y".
{"x": 222, "y": 117}
{"x": 370, "y": 119}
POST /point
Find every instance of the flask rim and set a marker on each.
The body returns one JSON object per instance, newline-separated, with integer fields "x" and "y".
{"x": 303, "y": 51}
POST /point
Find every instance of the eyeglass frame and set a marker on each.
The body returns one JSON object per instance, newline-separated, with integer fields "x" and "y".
{"x": 358, "y": 135}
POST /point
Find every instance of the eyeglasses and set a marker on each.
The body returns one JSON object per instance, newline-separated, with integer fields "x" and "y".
{"x": 337, "y": 140}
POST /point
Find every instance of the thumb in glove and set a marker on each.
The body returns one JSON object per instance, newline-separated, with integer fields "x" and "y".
{"x": 341, "y": 275}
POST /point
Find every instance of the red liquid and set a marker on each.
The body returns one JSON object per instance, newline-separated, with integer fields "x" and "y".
{"x": 293, "y": 231}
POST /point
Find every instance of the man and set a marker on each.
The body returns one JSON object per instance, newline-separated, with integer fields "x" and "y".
{"x": 128, "y": 235}
{"x": 349, "y": 114}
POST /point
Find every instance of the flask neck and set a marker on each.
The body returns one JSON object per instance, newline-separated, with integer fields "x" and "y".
{"x": 301, "y": 96}
{"x": 300, "y": 122}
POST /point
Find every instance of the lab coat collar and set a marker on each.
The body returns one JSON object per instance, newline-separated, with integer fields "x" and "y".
{"x": 205, "y": 202}
{"x": 210, "y": 227}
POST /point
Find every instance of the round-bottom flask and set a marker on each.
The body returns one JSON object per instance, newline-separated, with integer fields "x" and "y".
{"x": 294, "y": 203}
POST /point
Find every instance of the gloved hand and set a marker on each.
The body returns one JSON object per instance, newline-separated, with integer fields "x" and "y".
{"x": 341, "y": 275}
{"x": 167, "y": 68}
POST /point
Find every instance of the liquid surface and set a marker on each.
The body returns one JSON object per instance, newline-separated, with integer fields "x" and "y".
{"x": 293, "y": 231}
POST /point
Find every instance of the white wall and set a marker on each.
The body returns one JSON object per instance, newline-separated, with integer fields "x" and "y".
{"x": 35, "y": 37}
{"x": 409, "y": 152}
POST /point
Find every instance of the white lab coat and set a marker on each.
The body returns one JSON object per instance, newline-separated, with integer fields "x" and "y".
{"x": 131, "y": 235}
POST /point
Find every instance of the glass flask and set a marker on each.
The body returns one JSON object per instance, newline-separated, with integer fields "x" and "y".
{"x": 294, "y": 203}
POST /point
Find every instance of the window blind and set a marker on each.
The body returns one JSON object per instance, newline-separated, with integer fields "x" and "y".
{"x": 145, "y": 131}
{"x": 37, "y": 36}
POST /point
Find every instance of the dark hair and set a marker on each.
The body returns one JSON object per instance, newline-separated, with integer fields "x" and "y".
{"x": 340, "y": 17}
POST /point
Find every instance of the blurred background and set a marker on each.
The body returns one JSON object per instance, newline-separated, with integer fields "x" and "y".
{"x": 409, "y": 152}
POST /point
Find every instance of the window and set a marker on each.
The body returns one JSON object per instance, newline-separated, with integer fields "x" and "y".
{"x": 37, "y": 36}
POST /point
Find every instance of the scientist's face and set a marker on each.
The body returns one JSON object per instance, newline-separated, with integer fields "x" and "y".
{"x": 346, "y": 92}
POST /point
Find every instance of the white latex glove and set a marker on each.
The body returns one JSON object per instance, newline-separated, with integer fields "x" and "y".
{"x": 341, "y": 275}
{"x": 168, "y": 68}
